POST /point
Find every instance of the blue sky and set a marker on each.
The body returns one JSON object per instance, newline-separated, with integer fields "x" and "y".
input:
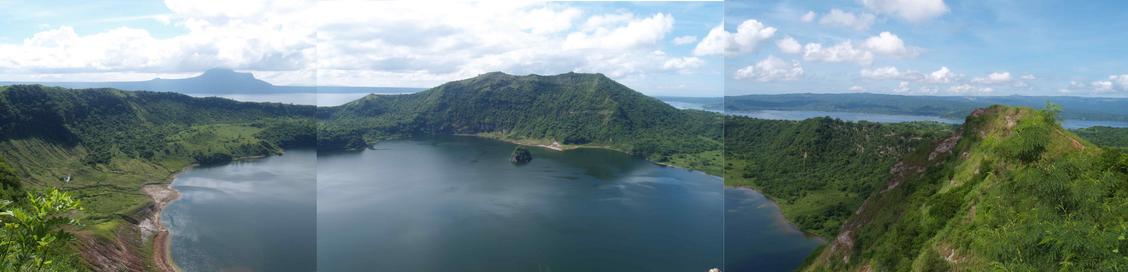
{"x": 989, "y": 47}
{"x": 647, "y": 46}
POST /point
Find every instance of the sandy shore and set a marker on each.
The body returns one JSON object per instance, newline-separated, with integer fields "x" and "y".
{"x": 162, "y": 195}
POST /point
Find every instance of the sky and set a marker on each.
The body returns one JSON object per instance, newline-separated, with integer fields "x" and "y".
{"x": 647, "y": 46}
{"x": 928, "y": 47}
{"x": 919, "y": 47}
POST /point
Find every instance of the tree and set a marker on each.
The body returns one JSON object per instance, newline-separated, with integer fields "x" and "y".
{"x": 31, "y": 235}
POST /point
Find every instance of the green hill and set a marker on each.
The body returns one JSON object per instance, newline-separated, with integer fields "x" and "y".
{"x": 1009, "y": 191}
{"x": 573, "y": 109}
{"x": 818, "y": 170}
{"x": 103, "y": 145}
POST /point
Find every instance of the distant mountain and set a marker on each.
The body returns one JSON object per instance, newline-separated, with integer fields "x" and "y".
{"x": 956, "y": 107}
{"x": 572, "y": 109}
{"x": 217, "y": 81}
{"x": 1010, "y": 190}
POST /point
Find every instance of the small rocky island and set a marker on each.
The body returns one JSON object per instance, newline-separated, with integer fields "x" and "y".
{"x": 520, "y": 155}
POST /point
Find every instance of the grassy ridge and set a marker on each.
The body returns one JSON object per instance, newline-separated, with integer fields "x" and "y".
{"x": 1012, "y": 192}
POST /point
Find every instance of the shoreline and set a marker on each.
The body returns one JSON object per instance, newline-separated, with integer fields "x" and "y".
{"x": 162, "y": 195}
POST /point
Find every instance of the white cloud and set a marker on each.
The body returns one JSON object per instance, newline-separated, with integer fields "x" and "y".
{"x": 1028, "y": 77}
{"x": 808, "y": 17}
{"x": 635, "y": 33}
{"x": 789, "y": 45}
{"x": 888, "y": 72}
{"x": 1114, "y": 82}
{"x": 839, "y": 18}
{"x": 902, "y": 87}
{"x": 420, "y": 44}
{"x": 889, "y": 44}
{"x": 856, "y": 88}
{"x": 993, "y": 78}
{"x": 942, "y": 75}
{"x": 746, "y": 39}
{"x": 1102, "y": 86}
{"x": 687, "y": 39}
{"x": 842, "y": 52}
{"x": 969, "y": 89}
{"x": 910, "y": 10}
{"x": 771, "y": 69}
{"x": 275, "y": 36}
{"x": 683, "y": 64}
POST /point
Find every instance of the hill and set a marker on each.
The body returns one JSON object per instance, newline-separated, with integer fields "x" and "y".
{"x": 818, "y": 170}
{"x": 1010, "y": 190}
{"x": 575, "y": 110}
{"x": 103, "y": 145}
{"x": 1074, "y": 108}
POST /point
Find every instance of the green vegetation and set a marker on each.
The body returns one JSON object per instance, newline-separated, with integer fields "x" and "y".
{"x": 34, "y": 234}
{"x": 1108, "y": 137}
{"x": 818, "y": 170}
{"x": 521, "y": 155}
{"x": 1011, "y": 191}
{"x": 572, "y": 109}
{"x": 102, "y": 145}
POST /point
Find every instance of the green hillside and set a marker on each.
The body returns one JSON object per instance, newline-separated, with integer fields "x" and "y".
{"x": 102, "y": 145}
{"x": 573, "y": 109}
{"x": 818, "y": 170}
{"x": 1009, "y": 191}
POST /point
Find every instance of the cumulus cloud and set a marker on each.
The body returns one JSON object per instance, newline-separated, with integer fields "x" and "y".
{"x": 942, "y": 75}
{"x": 910, "y": 10}
{"x": 683, "y": 40}
{"x": 856, "y": 88}
{"x": 842, "y": 52}
{"x": 747, "y": 38}
{"x": 683, "y": 64}
{"x": 889, "y": 44}
{"x": 808, "y": 17}
{"x": 839, "y": 18}
{"x": 969, "y": 89}
{"x": 771, "y": 69}
{"x": 1114, "y": 82}
{"x": 789, "y": 45}
{"x": 636, "y": 33}
{"x": 993, "y": 78}
{"x": 888, "y": 72}
{"x": 274, "y": 36}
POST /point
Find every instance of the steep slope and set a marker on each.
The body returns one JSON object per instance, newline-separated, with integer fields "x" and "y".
{"x": 818, "y": 170}
{"x": 1011, "y": 190}
{"x": 104, "y": 145}
{"x": 572, "y": 109}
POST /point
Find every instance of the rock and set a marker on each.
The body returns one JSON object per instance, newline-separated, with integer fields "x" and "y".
{"x": 520, "y": 155}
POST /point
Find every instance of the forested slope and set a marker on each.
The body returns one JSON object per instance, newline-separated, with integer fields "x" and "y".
{"x": 572, "y": 109}
{"x": 818, "y": 170}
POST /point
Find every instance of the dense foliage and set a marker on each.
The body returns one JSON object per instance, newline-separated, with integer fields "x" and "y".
{"x": 1016, "y": 192}
{"x": 33, "y": 235}
{"x": 818, "y": 170}
{"x": 1084, "y": 108}
{"x": 572, "y": 109}
{"x": 1109, "y": 137}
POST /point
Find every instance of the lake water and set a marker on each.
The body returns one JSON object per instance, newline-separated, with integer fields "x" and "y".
{"x": 758, "y": 238}
{"x": 253, "y": 215}
{"x": 458, "y": 204}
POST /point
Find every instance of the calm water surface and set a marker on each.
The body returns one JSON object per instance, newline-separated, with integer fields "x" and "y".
{"x": 458, "y": 204}
{"x": 256, "y": 215}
